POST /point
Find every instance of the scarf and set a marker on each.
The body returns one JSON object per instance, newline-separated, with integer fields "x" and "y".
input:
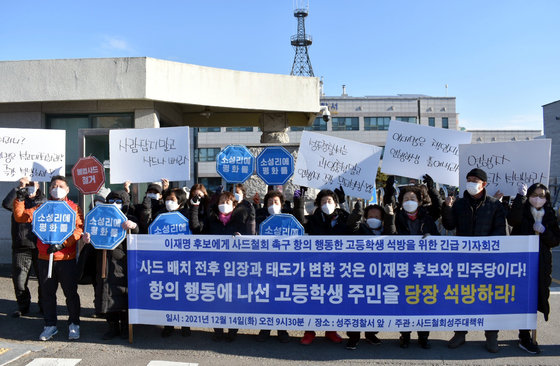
{"x": 224, "y": 218}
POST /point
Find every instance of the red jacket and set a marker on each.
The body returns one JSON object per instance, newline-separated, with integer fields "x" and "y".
{"x": 21, "y": 215}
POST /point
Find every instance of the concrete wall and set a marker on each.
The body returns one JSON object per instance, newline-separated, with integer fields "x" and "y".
{"x": 551, "y": 115}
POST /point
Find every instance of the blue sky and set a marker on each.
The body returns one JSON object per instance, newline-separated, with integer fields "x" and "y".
{"x": 499, "y": 58}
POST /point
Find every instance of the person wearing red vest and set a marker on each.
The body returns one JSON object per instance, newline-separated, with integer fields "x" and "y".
{"x": 64, "y": 270}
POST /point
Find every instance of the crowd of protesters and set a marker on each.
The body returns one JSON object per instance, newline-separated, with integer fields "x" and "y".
{"x": 408, "y": 210}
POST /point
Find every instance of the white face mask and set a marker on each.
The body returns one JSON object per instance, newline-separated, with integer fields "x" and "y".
{"x": 225, "y": 208}
{"x": 58, "y": 193}
{"x": 374, "y": 223}
{"x": 537, "y": 202}
{"x": 154, "y": 196}
{"x": 474, "y": 188}
{"x": 238, "y": 197}
{"x": 171, "y": 205}
{"x": 31, "y": 190}
{"x": 274, "y": 209}
{"x": 328, "y": 208}
{"x": 410, "y": 206}
{"x": 119, "y": 205}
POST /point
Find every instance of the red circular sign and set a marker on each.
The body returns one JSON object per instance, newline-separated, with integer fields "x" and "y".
{"x": 88, "y": 175}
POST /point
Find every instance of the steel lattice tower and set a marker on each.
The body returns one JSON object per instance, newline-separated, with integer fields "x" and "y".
{"x": 300, "y": 41}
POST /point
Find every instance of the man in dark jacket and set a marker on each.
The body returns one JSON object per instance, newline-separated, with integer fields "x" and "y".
{"x": 24, "y": 244}
{"x": 475, "y": 214}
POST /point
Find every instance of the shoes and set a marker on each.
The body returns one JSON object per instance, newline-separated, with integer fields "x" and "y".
{"x": 186, "y": 331}
{"x": 333, "y": 337}
{"x": 352, "y": 344}
{"x": 264, "y": 334}
{"x": 73, "y": 331}
{"x": 404, "y": 340}
{"x": 527, "y": 345}
{"x": 48, "y": 333}
{"x": 492, "y": 342}
{"x": 231, "y": 335}
{"x": 18, "y": 313}
{"x": 424, "y": 343}
{"x": 166, "y": 331}
{"x": 113, "y": 332}
{"x": 308, "y": 338}
{"x": 456, "y": 341}
{"x": 283, "y": 336}
{"x": 372, "y": 339}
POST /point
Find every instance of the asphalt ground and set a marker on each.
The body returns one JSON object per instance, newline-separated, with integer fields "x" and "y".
{"x": 19, "y": 342}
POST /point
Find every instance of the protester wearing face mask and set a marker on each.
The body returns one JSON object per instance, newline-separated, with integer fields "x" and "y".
{"x": 227, "y": 218}
{"x": 241, "y": 198}
{"x": 273, "y": 205}
{"x": 327, "y": 219}
{"x": 413, "y": 219}
{"x": 533, "y": 215}
{"x": 373, "y": 220}
{"x": 24, "y": 245}
{"x": 64, "y": 269}
{"x": 112, "y": 288}
{"x": 152, "y": 203}
{"x": 475, "y": 214}
{"x": 196, "y": 209}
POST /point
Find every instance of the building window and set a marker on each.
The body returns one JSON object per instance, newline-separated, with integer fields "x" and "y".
{"x": 239, "y": 129}
{"x": 206, "y": 154}
{"x": 318, "y": 125}
{"x": 444, "y": 122}
{"x": 432, "y": 121}
{"x": 209, "y": 129}
{"x": 407, "y": 119}
{"x": 345, "y": 124}
{"x": 211, "y": 184}
{"x": 376, "y": 123}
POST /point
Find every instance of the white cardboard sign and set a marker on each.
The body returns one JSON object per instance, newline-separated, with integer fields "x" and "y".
{"x": 507, "y": 164}
{"x": 34, "y": 153}
{"x": 327, "y": 162}
{"x": 149, "y": 154}
{"x": 413, "y": 150}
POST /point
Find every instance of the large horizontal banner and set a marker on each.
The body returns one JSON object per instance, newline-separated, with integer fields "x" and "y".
{"x": 330, "y": 162}
{"x": 37, "y": 154}
{"x": 413, "y": 150}
{"x": 149, "y": 154}
{"x": 507, "y": 164}
{"x": 385, "y": 283}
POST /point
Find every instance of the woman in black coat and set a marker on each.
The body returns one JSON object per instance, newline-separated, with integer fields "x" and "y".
{"x": 532, "y": 215}
{"x": 413, "y": 219}
{"x": 112, "y": 291}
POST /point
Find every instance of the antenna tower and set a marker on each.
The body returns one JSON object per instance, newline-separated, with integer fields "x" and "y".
{"x": 301, "y": 41}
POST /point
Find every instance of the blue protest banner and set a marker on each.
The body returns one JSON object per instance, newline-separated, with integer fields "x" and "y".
{"x": 281, "y": 224}
{"x": 235, "y": 164}
{"x": 275, "y": 165}
{"x": 170, "y": 223}
{"x": 381, "y": 283}
{"x": 53, "y": 222}
{"x": 104, "y": 224}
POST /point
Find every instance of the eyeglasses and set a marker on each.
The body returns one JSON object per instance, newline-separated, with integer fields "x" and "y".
{"x": 114, "y": 201}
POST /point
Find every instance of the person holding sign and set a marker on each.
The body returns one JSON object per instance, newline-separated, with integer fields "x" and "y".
{"x": 273, "y": 202}
{"x": 227, "y": 218}
{"x": 112, "y": 286}
{"x": 327, "y": 219}
{"x": 475, "y": 214}
{"x": 240, "y": 196}
{"x": 413, "y": 219}
{"x": 150, "y": 206}
{"x": 24, "y": 244}
{"x": 64, "y": 269}
{"x": 196, "y": 209}
{"x": 532, "y": 215}
{"x": 373, "y": 220}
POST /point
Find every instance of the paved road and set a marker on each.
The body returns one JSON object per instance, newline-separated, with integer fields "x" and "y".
{"x": 18, "y": 336}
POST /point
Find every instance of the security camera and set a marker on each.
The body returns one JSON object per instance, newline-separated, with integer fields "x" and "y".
{"x": 326, "y": 114}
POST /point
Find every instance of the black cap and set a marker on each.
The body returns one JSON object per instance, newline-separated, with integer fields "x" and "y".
{"x": 479, "y": 173}
{"x": 154, "y": 187}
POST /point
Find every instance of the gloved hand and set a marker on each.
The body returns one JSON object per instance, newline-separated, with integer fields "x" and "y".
{"x": 195, "y": 201}
{"x": 53, "y": 248}
{"x": 538, "y": 227}
{"x": 340, "y": 194}
{"x": 428, "y": 181}
{"x": 522, "y": 189}
{"x": 22, "y": 194}
{"x": 359, "y": 206}
{"x": 389, "y": 187}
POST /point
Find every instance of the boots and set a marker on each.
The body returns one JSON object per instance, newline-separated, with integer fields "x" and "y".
{"x": 114, "y": 331}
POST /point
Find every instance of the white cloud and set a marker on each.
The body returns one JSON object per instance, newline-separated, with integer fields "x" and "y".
{"x": 116, "y": 43}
